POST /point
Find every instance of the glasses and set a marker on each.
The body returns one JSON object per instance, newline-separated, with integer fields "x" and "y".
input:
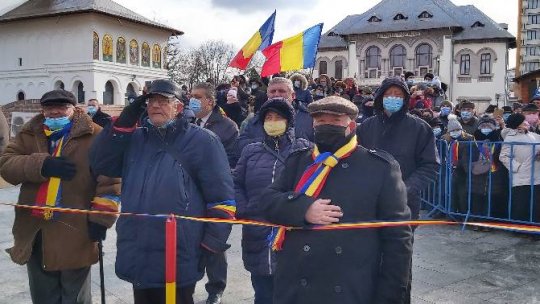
{"x": 160, "y": 100}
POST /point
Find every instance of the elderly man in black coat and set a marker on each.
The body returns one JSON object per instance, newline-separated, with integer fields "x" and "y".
{"x": 407, "y": 138}
{"x": 362, "y": 266}
{"x": 98, "y": 116}
{"x": 209, "y": 116}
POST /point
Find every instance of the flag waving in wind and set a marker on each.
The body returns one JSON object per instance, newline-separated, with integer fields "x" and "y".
{"x": 259, "y": 41}
{"x": 294, "y": 53}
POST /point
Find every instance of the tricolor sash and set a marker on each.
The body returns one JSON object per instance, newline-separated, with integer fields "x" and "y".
{"x": 314, "y": 178}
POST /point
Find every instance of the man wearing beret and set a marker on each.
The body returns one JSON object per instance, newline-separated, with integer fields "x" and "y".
{"x": 49, "y": 158}
{"x": 339, "y": 181}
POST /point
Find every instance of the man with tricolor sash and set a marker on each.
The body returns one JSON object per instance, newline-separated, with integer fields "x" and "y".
{"x": 168, "y": 166}
{"x": 339, "y": 182}
{"x": 49, "y": 158}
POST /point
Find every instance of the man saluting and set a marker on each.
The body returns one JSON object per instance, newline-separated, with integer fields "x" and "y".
{"x": 339, "y": 181}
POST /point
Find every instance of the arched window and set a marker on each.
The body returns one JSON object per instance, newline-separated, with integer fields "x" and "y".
{"x": 108, "y": 95}
{"x": 95, "y": 54}
{"x": 107, "y": 48}
{"x": 121, "y": 50}
{"x": 59, "y": 85}
{"x": 20, "y": 96}
{"x": 338, "y": 69}
{"x": 156, "y": 56}
{"x": 145, "y": 55}
{"x": 133, "y": 52}
{"x": 80, "y": 92}
{"x": 465, "y": 64}
{"x": 424, "y": 54}
{"x": 373, "y": 57}
{"x": 398, "y": 56}
{"x": 165, "y": 58}
{"x": 485, "y": 64}
{"x": 323, "y": 67}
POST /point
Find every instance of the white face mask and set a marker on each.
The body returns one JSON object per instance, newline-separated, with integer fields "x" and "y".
{"x": 455, "y": 134}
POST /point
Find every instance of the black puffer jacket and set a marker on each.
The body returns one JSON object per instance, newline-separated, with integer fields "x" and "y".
{"x": 409, "y": 139}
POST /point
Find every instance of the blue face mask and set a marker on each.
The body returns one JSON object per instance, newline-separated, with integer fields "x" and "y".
{"x": 392, "y": 104}
{"x": 486, "y": 131}
{"x": 56, "y": 123}
{"x": 466, "y": 115}
{"x": 437, "y": 131}
{"x": 92, "y": 110}
{"x": 455, "y": 134}
{"x": 445, "y": 111}
{"x": 195, "y": 105}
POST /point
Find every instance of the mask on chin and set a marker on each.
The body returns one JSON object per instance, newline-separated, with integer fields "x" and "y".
{"x": 329, "y": 138}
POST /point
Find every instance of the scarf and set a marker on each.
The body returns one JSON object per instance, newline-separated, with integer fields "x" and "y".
{"x": 488, "y": 155}
{"x": 49, "y": 193}
{"x": 313, "y": 180}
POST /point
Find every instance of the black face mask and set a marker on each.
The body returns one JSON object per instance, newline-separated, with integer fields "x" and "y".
{"x": 330, "y": 138}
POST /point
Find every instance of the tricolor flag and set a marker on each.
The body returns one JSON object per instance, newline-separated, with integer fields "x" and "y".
{"x": 260, "y": 40}
{"x": 294, "y": 53}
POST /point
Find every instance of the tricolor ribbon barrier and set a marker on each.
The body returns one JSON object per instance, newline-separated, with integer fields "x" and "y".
{"x": 171, "y": 229}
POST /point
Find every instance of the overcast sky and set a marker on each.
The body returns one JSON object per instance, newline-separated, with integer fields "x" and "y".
{"x": 235, "y": 21}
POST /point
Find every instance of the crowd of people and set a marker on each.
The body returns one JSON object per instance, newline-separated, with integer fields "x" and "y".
{"x": 292, "y": 151}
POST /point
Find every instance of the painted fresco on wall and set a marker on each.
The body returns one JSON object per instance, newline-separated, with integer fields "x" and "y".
{"x": 121, "y": 50}
{"x": 107, "y": 48}
{"x": 96, "y": 47}
{"x": 133, "y": 52}
{"x": 156, "y": 56}
{"x": 145, "y": 61}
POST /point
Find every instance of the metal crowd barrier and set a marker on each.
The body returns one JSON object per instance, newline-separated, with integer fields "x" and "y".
{"x": 473, "y": 183}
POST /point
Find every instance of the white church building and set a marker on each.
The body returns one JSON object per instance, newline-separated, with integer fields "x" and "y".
{"x": 94, "y": 48}
{"x": 460, "y": 44}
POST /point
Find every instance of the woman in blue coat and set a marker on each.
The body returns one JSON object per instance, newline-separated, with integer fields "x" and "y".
{"x": 259, "y": 165}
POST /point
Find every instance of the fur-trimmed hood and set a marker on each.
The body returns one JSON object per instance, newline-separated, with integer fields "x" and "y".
{"x": 302, "y": 78}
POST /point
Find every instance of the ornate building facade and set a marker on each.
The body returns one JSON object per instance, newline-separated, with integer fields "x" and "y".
{"x": 94, "y": 48}
{"x": 460, "y": 44}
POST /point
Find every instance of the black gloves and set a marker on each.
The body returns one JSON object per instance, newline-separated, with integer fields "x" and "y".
{"x": 96, "y": 232}
{"x": 58, "y": 167}
{"x": 131, "y": 113}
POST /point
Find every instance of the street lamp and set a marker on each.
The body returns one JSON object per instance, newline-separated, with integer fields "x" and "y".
{"x": 497, "y": 96}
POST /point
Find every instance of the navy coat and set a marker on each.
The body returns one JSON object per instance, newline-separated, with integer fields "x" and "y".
{"x": 154, "y": 182}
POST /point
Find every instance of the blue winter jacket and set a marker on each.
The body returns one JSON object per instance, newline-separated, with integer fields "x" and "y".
{"x": 255, "y": 171}
{"x": 154, "y": 182}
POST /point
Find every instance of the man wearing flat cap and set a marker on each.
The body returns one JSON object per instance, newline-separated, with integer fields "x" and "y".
{"x": 49, "y": 158}
{"x": 337, "y": 182}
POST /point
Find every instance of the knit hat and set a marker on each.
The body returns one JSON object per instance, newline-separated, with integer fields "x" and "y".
{"x": 515, "y": 120}
{"x": 486, "y": 119}
{"x": 280, "y": 106}
{"x": 453, "y": 123}
{"x": 58, "y": 96}
{"x": 447, "y": 103}
{"x": 436, "y": 122}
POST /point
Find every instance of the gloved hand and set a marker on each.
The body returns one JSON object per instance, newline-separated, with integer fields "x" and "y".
{"x": 96, "y": 232}
{"x": 58, "y": 167}
{"x": 203, "y": 261}
{"x": 131, "y": 113}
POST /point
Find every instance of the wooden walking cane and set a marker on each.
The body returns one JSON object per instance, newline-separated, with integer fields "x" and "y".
{"x": 101, "y": 271}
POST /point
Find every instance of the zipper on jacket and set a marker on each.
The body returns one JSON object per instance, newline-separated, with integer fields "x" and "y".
{"x": 276, "y": 147}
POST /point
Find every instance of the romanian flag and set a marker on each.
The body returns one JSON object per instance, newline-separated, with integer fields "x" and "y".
{"x": 294, "y": 53}
{"x": 260, "y": 40}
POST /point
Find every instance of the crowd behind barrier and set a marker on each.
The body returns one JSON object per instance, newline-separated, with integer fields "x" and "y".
{"x": 479, "y": 185}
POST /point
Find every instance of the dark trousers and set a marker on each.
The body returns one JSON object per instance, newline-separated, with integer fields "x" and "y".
{"x": 264, "y": 288}
{"x": 521, "y": 203}
{"x": 56, "y": 287}
{"x": 408, "y": 295}
{"x": 216, "y": 270}
{"x": 184, "y": 295}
